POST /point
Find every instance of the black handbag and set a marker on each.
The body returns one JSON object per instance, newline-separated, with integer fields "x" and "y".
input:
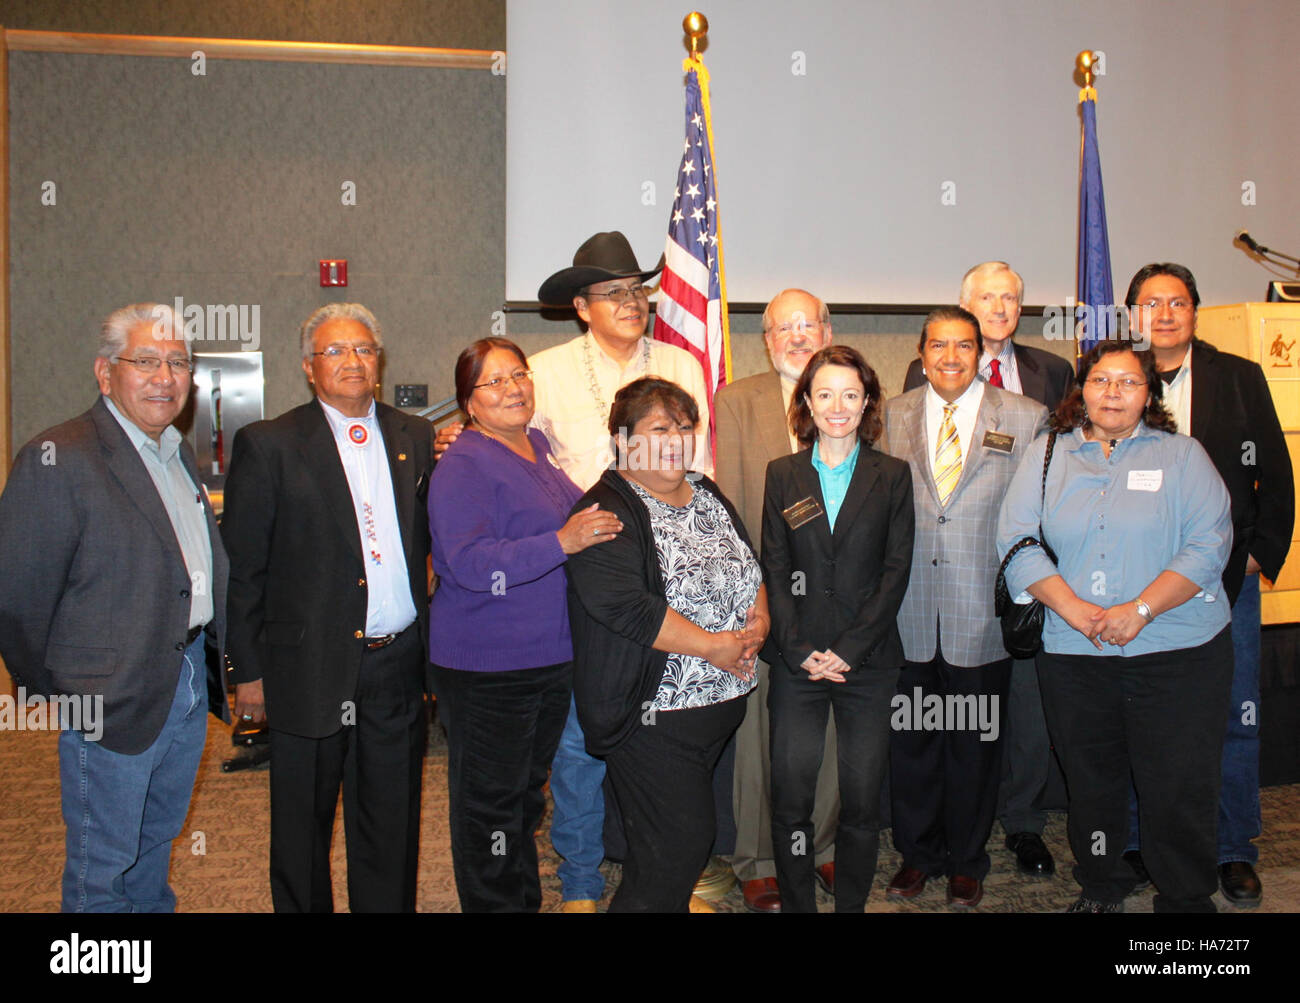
{"x": 1022, "y": 623}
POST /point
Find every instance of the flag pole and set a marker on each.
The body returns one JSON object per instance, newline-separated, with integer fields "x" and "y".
{"x": 696, "y": 26}
{"x": 1083, "y": 63}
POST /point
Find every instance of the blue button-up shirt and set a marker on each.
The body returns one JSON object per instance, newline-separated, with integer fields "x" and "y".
{"x": 1156, "y": 504}
{"x": 835, "y": 480}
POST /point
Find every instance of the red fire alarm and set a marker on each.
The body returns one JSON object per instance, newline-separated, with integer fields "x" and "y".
{"x": 333, "y": 271}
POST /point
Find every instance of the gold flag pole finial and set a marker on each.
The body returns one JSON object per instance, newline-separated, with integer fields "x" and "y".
{"x": 696, "y": 26}
{"x": 1083, "y": 62}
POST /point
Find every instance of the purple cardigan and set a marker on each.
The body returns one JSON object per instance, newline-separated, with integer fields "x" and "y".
{"x": 500, "y": 602}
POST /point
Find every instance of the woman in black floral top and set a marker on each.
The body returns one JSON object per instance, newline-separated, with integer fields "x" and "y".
{"x": 667, "y": 622}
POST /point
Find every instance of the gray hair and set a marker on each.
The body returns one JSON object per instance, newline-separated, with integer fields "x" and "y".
{"x": 338, "y": 311}
{"x": 823, "y": 311}
{"x": 984, "y": 269}
{"x": 119, "y": 324}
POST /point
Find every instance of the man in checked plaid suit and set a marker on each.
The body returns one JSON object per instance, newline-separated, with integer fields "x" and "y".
{"x": 963, "y": 439}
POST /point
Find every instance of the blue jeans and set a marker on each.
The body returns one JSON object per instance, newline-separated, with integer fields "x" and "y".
{"x": 122, "y": 812}
{"x": 579, "y": 822}
{"x": 1239, "y": 818}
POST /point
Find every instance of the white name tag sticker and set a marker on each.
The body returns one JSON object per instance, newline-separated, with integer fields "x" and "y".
{"x": 1145, "y": 480}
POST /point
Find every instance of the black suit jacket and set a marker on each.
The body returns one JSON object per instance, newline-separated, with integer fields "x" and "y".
{"x": 1234, "y": 419}
{"x": 297, "y": 607}
{"x": 1044, "y": 377}
{"x": 94, "y": 592}
{"x": 838, "y": 590}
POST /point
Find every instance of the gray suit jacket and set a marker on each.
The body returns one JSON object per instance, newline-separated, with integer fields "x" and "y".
{"x": 752, "y": 432}
{"x": 94, "y": 593}
{"x": 954, "y": 560}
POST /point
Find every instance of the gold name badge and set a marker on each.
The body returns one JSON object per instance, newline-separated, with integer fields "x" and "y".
{"x": 999, "y": 441}
{"x": 802, "y": 512}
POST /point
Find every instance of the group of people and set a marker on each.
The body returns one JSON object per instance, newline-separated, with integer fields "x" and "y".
{"x": 797, "y": 641}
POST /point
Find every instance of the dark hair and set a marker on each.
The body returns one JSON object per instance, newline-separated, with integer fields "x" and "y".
{"x": 951, "y": 313}
{"x": 1150, "y": 271}
{"x": 636, "y": 400}
{"x": 800, "y": 416}
{"x": 469, "y": 365}
{"x": 1072, "y": 414}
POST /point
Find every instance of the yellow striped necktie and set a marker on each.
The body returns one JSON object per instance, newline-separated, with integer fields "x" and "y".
{"x": 947, "y": 456}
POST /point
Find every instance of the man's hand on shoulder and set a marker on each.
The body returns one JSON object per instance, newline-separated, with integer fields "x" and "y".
{"x": 446, "y": 436}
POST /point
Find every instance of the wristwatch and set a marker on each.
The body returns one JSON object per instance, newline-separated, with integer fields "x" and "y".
{"x": 1144, "y": 609}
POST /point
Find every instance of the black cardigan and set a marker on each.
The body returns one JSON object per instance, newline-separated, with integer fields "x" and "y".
{"x": 616, "y": 609}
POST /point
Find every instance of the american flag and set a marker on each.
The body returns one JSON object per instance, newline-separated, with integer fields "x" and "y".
{"x": 692, "y": 308}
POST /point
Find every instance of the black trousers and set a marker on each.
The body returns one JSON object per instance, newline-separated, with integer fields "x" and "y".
{"x": 944, "y": 775}
{"x": 377, "y": 757}
{"x": 663, "y": 782}
{"x": 1159, "y": 719}
{"x": 502, "y": 732}
{"x": 798, "y": 708}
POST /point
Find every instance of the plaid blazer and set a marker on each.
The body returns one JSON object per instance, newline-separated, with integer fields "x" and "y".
{"x": 954, "y": 558}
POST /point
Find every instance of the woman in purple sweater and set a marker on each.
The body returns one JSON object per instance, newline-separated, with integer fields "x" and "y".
{"x": 499, "y": 625}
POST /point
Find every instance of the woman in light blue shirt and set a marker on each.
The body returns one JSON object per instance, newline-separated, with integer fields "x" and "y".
{"x": 1137, "y": 655}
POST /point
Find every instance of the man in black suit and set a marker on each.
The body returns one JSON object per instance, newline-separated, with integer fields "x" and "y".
{"x": 993, "y": 292}
{"x": 111, "y": 572}
{"x": 328, "y": 538}
{"x": 1223, "y": 402}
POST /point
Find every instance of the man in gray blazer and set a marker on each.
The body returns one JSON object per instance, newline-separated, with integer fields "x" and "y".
{"x": 752, "y": 430}
{"x": 964, "y": 439}
{"x": 994, "y": 292}
{"x": 111, "y": 572}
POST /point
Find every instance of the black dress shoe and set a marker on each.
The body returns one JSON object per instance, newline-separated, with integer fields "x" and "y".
{"x": 1032, "y": 854}
{"x": 1240, "y": 884}
{"x": 1134, "y": 859}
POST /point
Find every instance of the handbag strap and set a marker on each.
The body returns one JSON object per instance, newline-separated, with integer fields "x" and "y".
{"x": 1030, "y": 541}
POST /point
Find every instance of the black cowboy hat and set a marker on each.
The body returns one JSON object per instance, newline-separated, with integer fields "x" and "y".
{"x": 601, "y": 257}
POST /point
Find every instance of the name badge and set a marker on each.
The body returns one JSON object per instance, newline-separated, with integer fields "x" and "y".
{"x": 1000, "y": 441}
{"x": 1145, "y": 480}
{"x": 802, "y": 512}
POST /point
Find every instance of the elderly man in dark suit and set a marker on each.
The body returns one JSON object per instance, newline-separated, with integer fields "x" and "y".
{"x": 994, "y": 293}
{"x": 1223, "y": 402}
{"x": 111, "y": 573}
{"x": 328, "y": 539}
{"x": 964, "y": 439}
{"x": 752, "y": 430}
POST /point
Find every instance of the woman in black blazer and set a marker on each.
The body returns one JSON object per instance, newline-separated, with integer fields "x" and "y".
{"x": 837, "y": 552}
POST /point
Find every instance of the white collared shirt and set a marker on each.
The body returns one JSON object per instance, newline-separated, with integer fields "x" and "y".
{"x": 1178, "y": 395}
{"x": 968, "y": 405}
{"x": 569, "y": 414}
{"x": 180, "y": 497}
{"x": 1006, "y": 363}
{"x": 389, "y": 608}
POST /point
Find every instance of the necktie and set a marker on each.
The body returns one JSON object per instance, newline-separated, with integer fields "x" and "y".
{"x": 947, "y": 456}
{"x": 996, "y": 378}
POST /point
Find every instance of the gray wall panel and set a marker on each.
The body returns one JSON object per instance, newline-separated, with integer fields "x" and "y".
{"x": 226, "y": 189}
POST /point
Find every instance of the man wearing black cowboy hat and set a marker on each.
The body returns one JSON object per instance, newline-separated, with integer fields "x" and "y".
{"x": 575, "y": 383}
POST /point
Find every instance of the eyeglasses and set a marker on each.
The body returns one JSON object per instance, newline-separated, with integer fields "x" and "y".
{"x": 364, "y": 352}
{"x": 521, "y": 377}
{"x": 799, "y": 327}
{"x": 1126, "y": 383}
{"x": 622, "y": 294}
{"x": 151, "y": 364}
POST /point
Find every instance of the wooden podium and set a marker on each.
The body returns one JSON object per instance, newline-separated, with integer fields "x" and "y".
{"x": 1269, "y": 334}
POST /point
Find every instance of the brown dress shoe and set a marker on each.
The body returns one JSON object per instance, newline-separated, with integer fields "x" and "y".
{"x": 762, "y": 895}
{"x": 825, "y": 875}
{"x": 964, "y": 892}
{"x": 908, "y": 883}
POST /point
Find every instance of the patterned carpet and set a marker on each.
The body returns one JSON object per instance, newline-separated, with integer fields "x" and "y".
{"x": 219, "y": 863}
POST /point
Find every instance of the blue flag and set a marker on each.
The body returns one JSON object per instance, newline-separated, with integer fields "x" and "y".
{"x": 1095, "y": 292}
